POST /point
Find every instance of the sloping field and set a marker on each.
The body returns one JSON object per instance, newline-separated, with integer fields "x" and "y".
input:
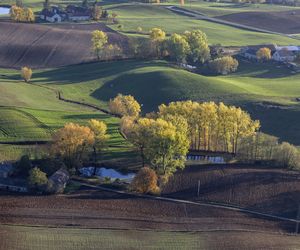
{"x": 46, "y": 46}
{"x": 36, "y": 238}
{"x": 149, "y": 16}
{"x": 266, "y": 190}
{"x": 287, "y": 22}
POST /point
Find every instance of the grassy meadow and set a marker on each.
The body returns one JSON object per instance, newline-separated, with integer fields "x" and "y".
{"x": 149, "y": 16}
{"x": 36, "y": 238}
{"x": 267, "y": 91}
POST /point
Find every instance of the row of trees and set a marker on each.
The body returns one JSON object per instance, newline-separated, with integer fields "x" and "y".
{"x": 21, "y": 14}
{"x": 266, "y": 148}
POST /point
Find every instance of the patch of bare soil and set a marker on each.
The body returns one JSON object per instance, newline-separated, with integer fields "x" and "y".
{"x": 287, "y": 22}
{"x": 46, "y": 46}
{"x": 266, "y": 190}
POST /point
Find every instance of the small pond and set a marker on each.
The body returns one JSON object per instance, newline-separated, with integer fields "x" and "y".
{"x": 106, "y": 172}
{"x": 4, "y": 11}
{"x": 206, "y": 158}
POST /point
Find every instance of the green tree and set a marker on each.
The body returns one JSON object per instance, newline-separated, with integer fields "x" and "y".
{"x": 99, "y": 39}
{"x": 178, "y": 47}
{"x": 157, "y": 37}
{"x": 199, "y": 49}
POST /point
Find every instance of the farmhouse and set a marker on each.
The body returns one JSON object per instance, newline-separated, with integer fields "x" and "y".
{"x": 6, "y": 169}
{"x": 76, "y": 13}
{"x": 249, "y": 52}
{"x": 53, "y": 15}
{"x": 286, "y": 53}
{"x": 58, "y": 181}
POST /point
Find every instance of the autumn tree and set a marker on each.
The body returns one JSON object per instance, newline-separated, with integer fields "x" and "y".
{"x": 124, "y": 105}
{"x": 26, "y": 74}
{"x": 157, "y": 36}
{"x": 99, "y": 39}
{"x": 101, "y": 137}
{"x": 198, "y": 43}
{"x": 96, "y": 12}
{"x": 112, "y": 51}
{"x": 37, "y": 179}
{"x": 210, "y": 126}
{"x": 178, "y": 47}
{"x": 224, "y": 65}
{"x": 145, "y": 181}
{"x": 72, "y": 143}
{"x": 263, "y": 54}
{"x": 20, "y": 14}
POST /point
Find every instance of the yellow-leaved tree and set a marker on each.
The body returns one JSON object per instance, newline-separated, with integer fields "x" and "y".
{"x": 101, "y": 137}
{"x": 145, "y": 181}
{"x": 20, "y": 14}
{"x": 263, "y": 54}
{"x": 72, "y": 143}
{"x": 124, "y": 105}
{"x": 26, "y": 73}
{"x": 99, "y": 39}
{"x": 157, "y": 37}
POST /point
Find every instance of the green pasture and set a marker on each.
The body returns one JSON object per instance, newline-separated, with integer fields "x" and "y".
{"x": 148, "y": 16}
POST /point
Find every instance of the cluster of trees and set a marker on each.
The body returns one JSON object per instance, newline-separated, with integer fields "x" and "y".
{"x": 21, "y": 14}
{"x": 190, "y": 47}
{"x": 102, "y": 49}
{"x": 73, "y": 143}
{"x": 211, "y": 126}
{"x": 266, "y": 148}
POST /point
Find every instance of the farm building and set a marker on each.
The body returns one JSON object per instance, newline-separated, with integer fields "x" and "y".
{"x": 53, "y": 15}
{"x": 58, "y": 181}
{"x": 249, "y": 52}
{"x": 286, "y": 53}
{"x": 6, "y": 169}
{"x": 76, "y": 13}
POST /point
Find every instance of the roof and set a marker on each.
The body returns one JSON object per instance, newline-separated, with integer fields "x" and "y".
{"x": 52, "y": 12}
{"x": 285, "y": 53}
{"x": 78, "y": 11}
{"x": 60, "y": 177}
{"x": 6, "y": 167}
{"x": 288, "y": 48}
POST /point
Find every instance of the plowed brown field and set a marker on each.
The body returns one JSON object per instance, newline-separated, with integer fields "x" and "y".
{"x": 287, "y": 22}
{"x": 46, "y": 46}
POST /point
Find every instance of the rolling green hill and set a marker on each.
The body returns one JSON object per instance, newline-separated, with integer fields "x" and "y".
{"x": 149, "y": 16}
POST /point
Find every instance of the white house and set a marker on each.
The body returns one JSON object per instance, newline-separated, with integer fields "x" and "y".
{"x": 286, "y": 53}
{"x": 53, "y": 15}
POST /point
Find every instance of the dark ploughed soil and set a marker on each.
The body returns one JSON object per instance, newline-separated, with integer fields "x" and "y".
{"x": 45, "y": 46}
{"x": 287, "y": 22}
{"x": 267, "y": 190}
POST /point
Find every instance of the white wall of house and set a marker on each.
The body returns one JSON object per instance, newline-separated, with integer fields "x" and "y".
{"x": 277, "y": 57}
{"x": 79, "y": 18}
{"x": 54, "y": 19}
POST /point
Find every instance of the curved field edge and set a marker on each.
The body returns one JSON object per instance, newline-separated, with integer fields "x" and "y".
{"x": 25, "y": 237}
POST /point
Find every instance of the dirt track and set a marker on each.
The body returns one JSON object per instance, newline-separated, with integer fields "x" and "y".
{"x": 46, "y": 46}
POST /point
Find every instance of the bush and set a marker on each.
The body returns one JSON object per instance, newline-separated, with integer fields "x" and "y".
{"x": 223, "y": 65}
{"x": 288, "y": 156}
{"x": 23, "y": 166}
{"x": 145, "y": 182}
{"x": 37, "y": 180}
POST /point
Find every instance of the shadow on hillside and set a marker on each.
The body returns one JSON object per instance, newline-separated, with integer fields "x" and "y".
{"x": 268, "y": 70}
{"x": 90, "y": 71}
